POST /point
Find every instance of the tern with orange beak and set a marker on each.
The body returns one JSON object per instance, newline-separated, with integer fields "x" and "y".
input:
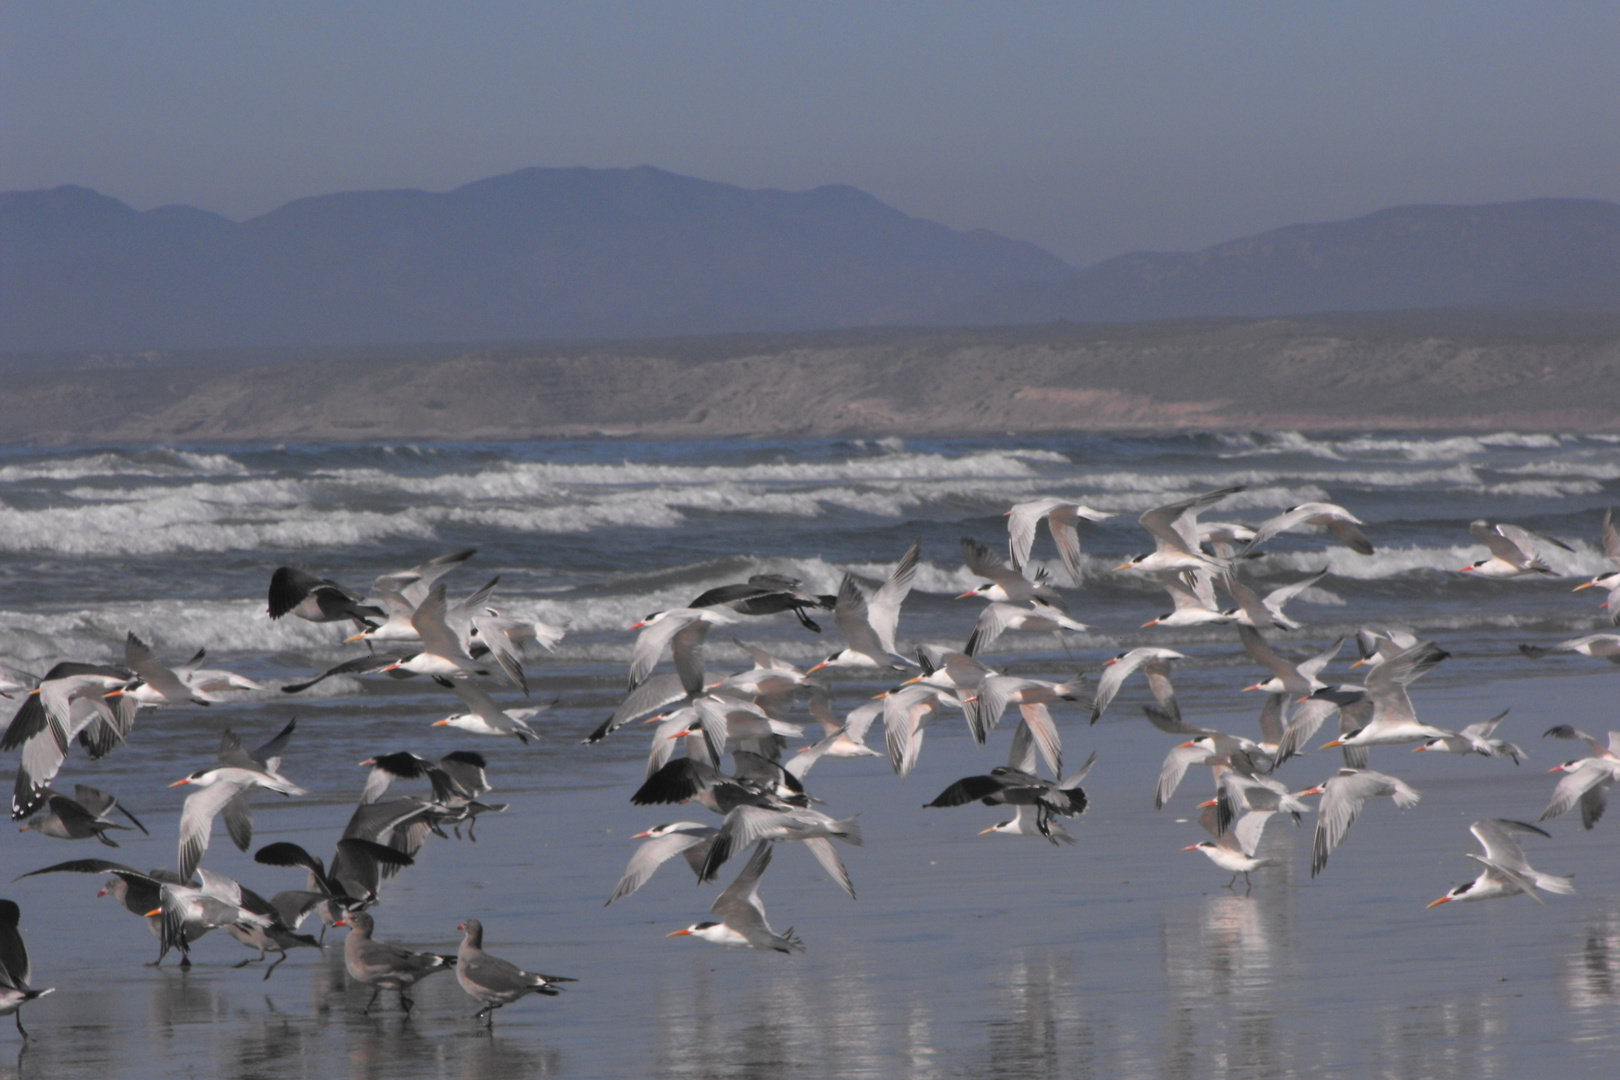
{"x": 741, "y": 923}
{"x": 1507, "y": 872}
{"x": 869, "y": 624}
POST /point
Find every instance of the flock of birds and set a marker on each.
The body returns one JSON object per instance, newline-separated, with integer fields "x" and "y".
{"x": 411, "y": 628}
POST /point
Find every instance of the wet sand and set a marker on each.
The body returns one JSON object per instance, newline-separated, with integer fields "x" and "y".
{"x": 965, "y": 955}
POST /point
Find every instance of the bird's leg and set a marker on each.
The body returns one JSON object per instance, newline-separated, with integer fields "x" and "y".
{"x": 18, "y": 1017}
{"x": 405, "y": 1002}
{"x": 374, "y": 992}
{"x": 1233, "y": 883}
{"x": 1247, "y": 884}
{"x": 272, "y": 968}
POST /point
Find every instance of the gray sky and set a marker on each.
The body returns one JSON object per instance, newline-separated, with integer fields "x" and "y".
{"x": 1088, "y": 129}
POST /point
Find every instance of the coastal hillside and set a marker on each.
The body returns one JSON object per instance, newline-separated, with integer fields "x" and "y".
{"x": 1417, "y": 370}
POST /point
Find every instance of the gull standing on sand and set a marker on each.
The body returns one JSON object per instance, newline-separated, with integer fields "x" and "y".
{"x": 494, "y": 982}
{"x": 382, "y": 965}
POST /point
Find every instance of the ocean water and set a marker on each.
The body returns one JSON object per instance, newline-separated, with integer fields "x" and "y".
{"x": 965, "y": 955}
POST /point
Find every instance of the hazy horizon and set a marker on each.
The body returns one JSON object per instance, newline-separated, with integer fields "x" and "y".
{"x": 1088, "y": 132}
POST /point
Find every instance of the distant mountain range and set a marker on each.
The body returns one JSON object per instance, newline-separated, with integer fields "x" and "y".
{"x": 606, "y": 253}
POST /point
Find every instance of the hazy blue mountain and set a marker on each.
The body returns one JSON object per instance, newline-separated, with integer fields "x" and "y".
{"x": 1540, "y": 252}
{"x": 540, "y": 253}
{"x": 586, "y": 253}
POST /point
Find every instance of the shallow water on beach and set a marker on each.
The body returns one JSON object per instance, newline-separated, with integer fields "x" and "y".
{"x": 965, "y": 955}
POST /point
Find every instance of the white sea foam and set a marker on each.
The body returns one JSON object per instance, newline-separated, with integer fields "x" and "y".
{"x": 163, "y": 523}
{"x": 144, "y": 463}
{"x": 175, "y": 628}
{"x": 528, "y": 478}
{"x": 1544, "y": 489}
{"x": 1387, "y": 562}
{"x": 1600, "y": 466}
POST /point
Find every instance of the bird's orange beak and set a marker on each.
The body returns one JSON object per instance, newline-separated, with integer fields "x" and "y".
{"x": 1190, "y": 847}
{"x": 817, "y": 668}
{"x": 678, "y": 933}
{"x": 1330, "y": 745}
{"x": 987, "y": 832}
{"x": 353, "y": 638}
{"x": 1150, "y": 622}
{"x": 1438, "y": 902}
{"x": 155, "y": 911}
{"x": 637, "y": 625}
{"x": 1123, "y": 566}
{"x": 341, "y": 922}
{"x": 180, "y": 783}
{"x": 436, "y": 723}
{"x": 1587, "y": 585}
